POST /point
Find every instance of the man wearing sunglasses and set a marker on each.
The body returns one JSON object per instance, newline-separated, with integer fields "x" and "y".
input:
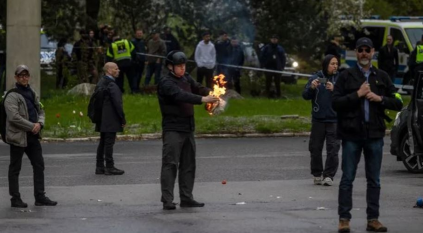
{"x": 360, "y": 97}
{"x": 25, "y": 119}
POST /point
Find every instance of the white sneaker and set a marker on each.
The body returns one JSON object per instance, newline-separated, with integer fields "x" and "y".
{"x": 317, "y": 180}
{"x": 327, "y": 181}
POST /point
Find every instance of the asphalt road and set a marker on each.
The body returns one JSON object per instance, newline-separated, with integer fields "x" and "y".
{"x": 269, "y": 189}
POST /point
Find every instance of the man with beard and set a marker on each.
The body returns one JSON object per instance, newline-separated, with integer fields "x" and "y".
{"x": 361, "y": 95}
{"x": 387, "y": 59}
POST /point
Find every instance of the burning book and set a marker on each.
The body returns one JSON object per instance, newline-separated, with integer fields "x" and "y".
{"x": 218, "y": 91}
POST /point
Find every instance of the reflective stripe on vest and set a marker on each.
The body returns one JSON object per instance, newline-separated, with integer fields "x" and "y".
{"x": 419, "y": 54}
{"x": 121, "y": 50}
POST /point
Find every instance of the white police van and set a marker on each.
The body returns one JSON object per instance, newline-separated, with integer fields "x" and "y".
{"x": 405, "y": 30}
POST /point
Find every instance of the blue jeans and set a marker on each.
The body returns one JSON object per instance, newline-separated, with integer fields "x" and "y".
{"x": 153, "y": 68}
{"x": 351, "y": 153}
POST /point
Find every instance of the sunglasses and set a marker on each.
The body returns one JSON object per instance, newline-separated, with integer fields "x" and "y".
{"x": 360, "y": 50}
{"x": 23, "y": 75}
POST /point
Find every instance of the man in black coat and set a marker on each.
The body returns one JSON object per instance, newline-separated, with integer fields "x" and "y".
{"x": 361, "y": 95}
{"x": 112, "y": 120}
{"x": 387, "y": 59}
{"x": 177, "y": 93}
{"x": 236, "y": 58}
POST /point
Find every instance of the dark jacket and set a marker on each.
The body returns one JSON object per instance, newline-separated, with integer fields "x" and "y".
{"x": 236, "y": 56}
{"x": 273, "y": 57}
{"x": 321, "y": 98}
{"x": 176, "y": 99}
{"x": 350, "y": 107}
{"x": 83, "y": 50}
{"x": 171, "y": 42}
{"x": 222, "y": 51}
{"x": 140, "y": 47}
{"x": 387, "y": 60}
{"x": 112, "y": 116}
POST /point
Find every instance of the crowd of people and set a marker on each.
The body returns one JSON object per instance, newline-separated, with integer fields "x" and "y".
{"x": 140, "y": 57}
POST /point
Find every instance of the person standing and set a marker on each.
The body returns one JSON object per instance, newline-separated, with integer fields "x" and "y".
{"x": 319, "y": 90}
{"x": 273, "y": 57}
{"x": 139, "y": 62}
{"x": 205, "y": 57}
{"x": 361, "y": 95}
{"x": 24, "y": 122}
{"x": 121, "y": 52}
{"x": 62, "y": 59}
{"x": 177, "y": 93}
{"x": 112, "y": 120}
{"x": 387, "y": 59}
{"x": 83, "y": 54}
{"x": 222, "y": 53}
{"x": 157, "y": 48}
{"x": 416, "y": 60}
{"x": 170, "y": 40}
{"x": 236, "y": 58}
{"x": 334, "y": 47}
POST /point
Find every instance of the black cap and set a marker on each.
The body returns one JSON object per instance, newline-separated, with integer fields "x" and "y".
{"x": 175, "y": 57}
{"x": 364, "y": 41}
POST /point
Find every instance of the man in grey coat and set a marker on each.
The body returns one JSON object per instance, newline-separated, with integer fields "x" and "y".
{"x": 25, "y": 119}
{"x": 112, "y": 120}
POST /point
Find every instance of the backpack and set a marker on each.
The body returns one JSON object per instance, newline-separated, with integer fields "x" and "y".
{"x": 95, "y": 106}
{"x": 3, "y": 115}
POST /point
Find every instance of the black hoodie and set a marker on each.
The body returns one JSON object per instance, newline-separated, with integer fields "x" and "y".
{"x": 321, "y": 99}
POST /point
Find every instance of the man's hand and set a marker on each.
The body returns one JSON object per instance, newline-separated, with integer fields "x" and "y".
{"x": 209, "y": 99}
{"x": 364, "y": 89}
{"x": 314, "y": 84}
{"x": 37, "y": 128}
{"x": 329, "y": 86}
{"x": 373, "y": 97}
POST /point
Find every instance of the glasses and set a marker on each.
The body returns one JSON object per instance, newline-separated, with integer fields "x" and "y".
{"x": 360, "y": 50}
{"x": 23, "y": 75}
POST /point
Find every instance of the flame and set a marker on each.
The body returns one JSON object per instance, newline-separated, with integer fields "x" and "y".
{"x": 218, "y": 90}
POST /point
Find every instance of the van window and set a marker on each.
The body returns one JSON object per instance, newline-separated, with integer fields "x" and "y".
{"x": 414, "y": 34}
{"x": 399, "y": 41}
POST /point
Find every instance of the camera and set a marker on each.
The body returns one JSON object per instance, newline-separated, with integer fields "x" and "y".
{"x": 322, "y": 80}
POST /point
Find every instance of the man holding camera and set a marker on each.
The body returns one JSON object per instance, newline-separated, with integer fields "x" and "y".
{"x": 319, "y": 90}
{"x": 361, "y": 95}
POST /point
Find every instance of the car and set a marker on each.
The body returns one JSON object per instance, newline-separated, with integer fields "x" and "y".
{"x": 407, "y": 131}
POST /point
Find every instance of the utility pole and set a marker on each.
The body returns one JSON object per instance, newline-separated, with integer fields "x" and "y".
{"x": 23, "y": 40}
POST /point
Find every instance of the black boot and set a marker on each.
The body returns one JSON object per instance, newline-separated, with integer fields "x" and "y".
{"x": 113, "y": 171}
{"x": 18, "y": 203}
{"x": 44, "y": 201}
{"x": 99, "y": 170}
{"x": 191, "y": 203}
{"x": 169, "y": 206}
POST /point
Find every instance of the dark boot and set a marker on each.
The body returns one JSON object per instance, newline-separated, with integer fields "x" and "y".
{"x": 169, "y": 206}
{"x": 376, "y": 226}
{"x": 113, "y": 171}
{"x": 18, "y": 203}
{"x": 45, "y": 201}
{"x": 99, "y": 170}
{"x": 191, "y": 203}
{"x": 344, "y": 225}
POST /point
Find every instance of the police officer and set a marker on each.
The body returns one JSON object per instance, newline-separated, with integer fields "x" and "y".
{"x": 25, "y": 119}
{"x": 122, "y": 52}
{"x": 177, "y": 93}
{"x": 416, "y": 59}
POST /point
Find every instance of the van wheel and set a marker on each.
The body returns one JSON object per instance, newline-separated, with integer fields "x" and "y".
{"x": 412, "y": 162}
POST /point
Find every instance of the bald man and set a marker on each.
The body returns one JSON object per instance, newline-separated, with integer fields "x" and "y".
{"x": 112, "y": 120}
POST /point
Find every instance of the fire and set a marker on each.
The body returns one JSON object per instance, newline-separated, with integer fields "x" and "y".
{"x": 218, "y": 90}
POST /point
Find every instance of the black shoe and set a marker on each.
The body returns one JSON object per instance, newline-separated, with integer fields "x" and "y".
{"x": 99, "y": 170}
{"x": 169, "y": 206}
{"x": 113, "y": 171}
{"x": 18, "y": 203}
{"x": 45, "y": 201}
{"x": 191, "y": 203}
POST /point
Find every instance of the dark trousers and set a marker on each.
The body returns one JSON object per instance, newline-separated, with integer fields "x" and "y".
{"x": 351, "y": 153}
{"x": 35, "y": 155}
{"x": 125, "y": 70}
{"x": 202, "y": 73}
{"x": 234, "y": 79}
{"x": 178, "y": 154}
{"x": 153, "y": 68}
{"x": 105, "y": 149}
{"x": 222, "y": 69}
{"x": 138, "y": 69}
{"x": 321, "y": 131}
{"x": 61, "y": 81}
{"x": 277, "y": 79}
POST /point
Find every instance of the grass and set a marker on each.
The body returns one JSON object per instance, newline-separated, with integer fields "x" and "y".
{"x": 247, "y": 115}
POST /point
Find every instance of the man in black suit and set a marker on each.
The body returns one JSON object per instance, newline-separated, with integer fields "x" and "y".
{"x": 112, "y": 120}
{"x": 387, "y": 59}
